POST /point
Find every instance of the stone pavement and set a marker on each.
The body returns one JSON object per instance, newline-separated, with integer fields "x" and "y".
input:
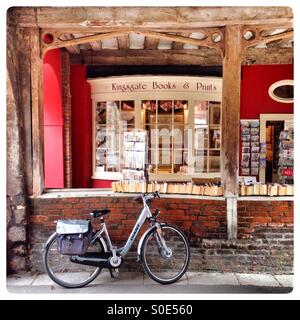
{"x": 137, "y": 282}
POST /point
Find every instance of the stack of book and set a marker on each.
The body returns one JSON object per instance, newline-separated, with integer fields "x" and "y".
{"x": 260, "y": 189}
{"x": 209, "y": 189}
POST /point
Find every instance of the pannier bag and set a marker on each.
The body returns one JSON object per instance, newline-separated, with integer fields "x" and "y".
{"x": 74, "y": 236}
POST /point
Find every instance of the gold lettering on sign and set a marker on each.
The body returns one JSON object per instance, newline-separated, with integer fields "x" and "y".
{"x": 128, "y": 87}
{"x": 206, "y": 87}
{"x": 163, "y": 85}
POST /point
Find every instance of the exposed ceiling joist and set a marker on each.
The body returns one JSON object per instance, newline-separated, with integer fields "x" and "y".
{"x": 203, "y": 56}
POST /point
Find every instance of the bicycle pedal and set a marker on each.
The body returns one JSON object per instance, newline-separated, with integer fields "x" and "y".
{"x": 114, "y": 273}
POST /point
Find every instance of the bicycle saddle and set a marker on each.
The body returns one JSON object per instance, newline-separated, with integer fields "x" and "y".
{"x": 99, "y": 213}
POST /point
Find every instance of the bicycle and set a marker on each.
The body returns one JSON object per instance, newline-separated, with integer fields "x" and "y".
{"x": 163, "y": 250}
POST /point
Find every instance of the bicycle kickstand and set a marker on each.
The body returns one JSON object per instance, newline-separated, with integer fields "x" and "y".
{"x": 114, "y": 273}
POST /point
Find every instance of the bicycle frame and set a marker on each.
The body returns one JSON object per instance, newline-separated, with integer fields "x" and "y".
{"x": 145, "y": 213}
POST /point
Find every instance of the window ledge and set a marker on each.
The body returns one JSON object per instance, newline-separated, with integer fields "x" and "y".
{"x": 74, "y": 193}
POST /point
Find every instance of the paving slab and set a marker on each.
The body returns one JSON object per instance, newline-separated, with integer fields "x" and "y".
{"x": 44, "y": 279}
{"x": 181, "y": 281}
{"x": 248, "y": 279}
{"x": 124, "y": 278}
{"x": 212, "y": 278}
{"x": 20, "y": 280}
{"x": 285, "y": 280}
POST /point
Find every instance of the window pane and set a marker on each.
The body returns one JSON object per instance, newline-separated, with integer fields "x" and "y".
{"x": 201, "y": 112}
{"x": 180, "y": 157}
{"x": 113, "y": 113}
{"x": 100, "y": 112}
{"x": 100, "y": 137}
{"x": 214, "y": 161}
{"x": 165, "y": 161}
{"x": 201, "y": 138}
{"x": 178, "y": 136}
{"x": 214, "y": 139}
{"x": 100, "y": 159}
{"x": 153, "y": 158}
{"x": 165, "y": 107}
{"x": 127, "y": 112}
{"x": 164, "y": 133}
{"x": 214, "y": 113}
{"x": 150, "y": 108}
{"x": 200, "y": 161}
{"x": 112, "y": 138}
{"x": 112, "y": 161}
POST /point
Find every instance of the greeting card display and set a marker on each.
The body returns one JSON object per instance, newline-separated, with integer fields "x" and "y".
{"x": 134, "y": 155}
{"x": 250, "y": 147}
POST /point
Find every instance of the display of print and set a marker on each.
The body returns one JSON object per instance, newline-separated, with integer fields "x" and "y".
{"x": 250, "y": 157}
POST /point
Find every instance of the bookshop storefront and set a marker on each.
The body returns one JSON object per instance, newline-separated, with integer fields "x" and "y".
{"x": 218, "y": 148}
{"x": 172, "y": 126}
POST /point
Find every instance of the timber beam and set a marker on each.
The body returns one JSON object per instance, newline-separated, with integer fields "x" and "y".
{"x": 213, "y": 38}
{"x": 203, "y": 56}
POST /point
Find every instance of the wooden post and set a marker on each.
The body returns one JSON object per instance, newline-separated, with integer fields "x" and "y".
{"x": 24, "y": 64}
{"x": 37, "y": 113}
{"x": 231, "y": 122}
{"x": 67, "y": 118}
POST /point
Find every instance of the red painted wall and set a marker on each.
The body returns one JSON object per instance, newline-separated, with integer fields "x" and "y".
{"x": 96, "y": 183}
{"x": 256, "y": 81}
{"x": 81, "y": 127}
{"x": 53, "y": 120}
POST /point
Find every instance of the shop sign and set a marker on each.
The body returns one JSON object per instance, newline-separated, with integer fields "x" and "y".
{"x": 158, "y": 84}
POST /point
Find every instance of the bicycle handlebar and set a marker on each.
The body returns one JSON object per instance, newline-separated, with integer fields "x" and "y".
{"x": 147, "y": 196}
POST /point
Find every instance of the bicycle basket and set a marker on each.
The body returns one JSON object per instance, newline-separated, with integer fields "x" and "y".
{"x": 74, "y": 236}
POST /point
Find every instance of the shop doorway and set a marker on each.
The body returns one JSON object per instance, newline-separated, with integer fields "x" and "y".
{"x": 273, "y": 130}
{"x": 271, "y": 126}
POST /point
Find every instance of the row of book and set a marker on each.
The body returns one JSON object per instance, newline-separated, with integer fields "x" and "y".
{"x": 274, "y": 189}
{"x": 209, "y": 189}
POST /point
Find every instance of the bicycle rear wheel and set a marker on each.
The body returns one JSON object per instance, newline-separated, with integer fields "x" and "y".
{"x": 66, "y": 273}
{"x": 161, "y": 267}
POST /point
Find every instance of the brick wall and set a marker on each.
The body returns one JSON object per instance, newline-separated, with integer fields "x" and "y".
{"x": 264, "y": 244}
{"x": 265, "y": 240}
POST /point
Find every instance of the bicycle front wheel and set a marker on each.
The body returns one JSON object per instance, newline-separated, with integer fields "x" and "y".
{"x": 161, "y": 267}
{"x": 65, "y": 272}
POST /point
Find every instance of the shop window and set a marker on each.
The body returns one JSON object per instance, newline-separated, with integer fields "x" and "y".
{"x": 184, "y": 137}
{"x": 172, "y": 147}
{"x": 166, "y": 122}
{"x": 182, "y": 118}
{"x": 112, "y": 119}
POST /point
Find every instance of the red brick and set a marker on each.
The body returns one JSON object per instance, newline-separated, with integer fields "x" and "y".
{"x": 283, "y": 220}
{"x": 70, "y": 211}
{"x": 289, "y": 214}
{"x": 38, "y": 219}
{"x": 280, "y": 208}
